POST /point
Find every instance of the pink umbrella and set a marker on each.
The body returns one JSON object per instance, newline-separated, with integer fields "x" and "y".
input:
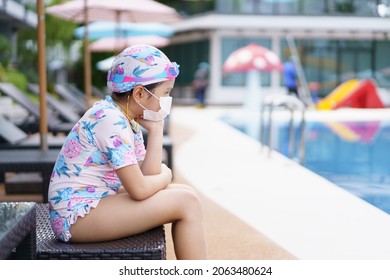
{"x": 117, "y": 44}
{"x": 110, "y": 10}
{"x": 252, "y": 57}
{"x": 114, "y": 10}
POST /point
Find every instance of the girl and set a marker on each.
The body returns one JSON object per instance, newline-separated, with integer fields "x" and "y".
{"x": 105, "y": 185}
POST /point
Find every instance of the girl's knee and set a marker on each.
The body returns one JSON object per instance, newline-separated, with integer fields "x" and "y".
{"x": 191, "y": 202}
{"x": 183, "y": 199}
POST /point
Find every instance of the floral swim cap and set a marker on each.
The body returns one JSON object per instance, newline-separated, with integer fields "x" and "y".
{"x": 140, "y": 65}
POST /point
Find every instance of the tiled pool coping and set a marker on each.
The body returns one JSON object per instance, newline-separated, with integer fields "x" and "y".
{"x": 299, "y": 210}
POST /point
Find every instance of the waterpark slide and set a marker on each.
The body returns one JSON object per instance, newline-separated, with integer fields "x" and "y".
{"x": 352, "y": 93}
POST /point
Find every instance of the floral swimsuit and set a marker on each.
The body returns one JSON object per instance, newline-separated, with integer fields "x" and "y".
{"x": 101, "y": 142}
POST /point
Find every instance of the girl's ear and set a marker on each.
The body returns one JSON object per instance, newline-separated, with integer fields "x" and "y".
{"x": 138, "y": 93}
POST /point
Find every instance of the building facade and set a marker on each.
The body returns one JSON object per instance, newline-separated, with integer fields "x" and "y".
{"x": 333, "y": 40}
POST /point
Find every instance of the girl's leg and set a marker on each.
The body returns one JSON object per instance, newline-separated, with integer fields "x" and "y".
{"x": 120, "y": 216}
{"x": 175, "y": 224}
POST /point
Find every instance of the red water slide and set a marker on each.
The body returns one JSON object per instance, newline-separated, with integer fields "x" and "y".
{"x": 364, "y": 95}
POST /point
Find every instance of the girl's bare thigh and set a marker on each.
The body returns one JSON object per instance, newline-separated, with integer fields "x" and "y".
{"x": 120, "y": 216}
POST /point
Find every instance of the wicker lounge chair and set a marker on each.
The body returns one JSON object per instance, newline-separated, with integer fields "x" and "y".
{"x": 98, "y": 93}
{"x": 64, "y": 110}
{"x": 54, "y": 124}
{"x": 76, "y": 101}
{"x": 12, "y": 137}
{"x": 149, "y": 245}
{"x": 28, "y": 161}
{"x": 75, "y": 91}
{"x": 33, "y": 238}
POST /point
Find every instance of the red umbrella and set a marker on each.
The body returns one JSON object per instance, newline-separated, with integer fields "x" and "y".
{"x": 252, "y": 57}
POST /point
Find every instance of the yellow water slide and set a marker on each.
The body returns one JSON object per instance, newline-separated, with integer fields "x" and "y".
{"x": 337, "y": 95}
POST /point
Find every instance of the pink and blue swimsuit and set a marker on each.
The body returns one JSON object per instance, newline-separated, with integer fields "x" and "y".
{"x": 101, "y": 142}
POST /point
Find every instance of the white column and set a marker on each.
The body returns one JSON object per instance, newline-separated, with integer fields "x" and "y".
{"x": 215, "y": 65}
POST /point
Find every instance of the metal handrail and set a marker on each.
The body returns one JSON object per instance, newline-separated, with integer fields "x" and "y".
{"x": 291, "y": 103}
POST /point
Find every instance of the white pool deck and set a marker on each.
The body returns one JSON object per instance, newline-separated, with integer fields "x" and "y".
{"x": 305, "y": 214}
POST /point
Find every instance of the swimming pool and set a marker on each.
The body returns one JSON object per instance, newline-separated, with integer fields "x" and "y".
{"x": 354, "y": 155}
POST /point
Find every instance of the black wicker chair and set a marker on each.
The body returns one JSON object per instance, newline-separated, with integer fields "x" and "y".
{"x": 149, "y": 245}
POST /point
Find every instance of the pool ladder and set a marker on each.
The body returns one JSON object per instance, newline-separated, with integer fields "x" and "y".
{"x": 292, "y": 103}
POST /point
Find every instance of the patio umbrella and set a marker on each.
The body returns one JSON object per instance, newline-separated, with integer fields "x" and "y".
{"x": 252, "y": 59}
{"x": 107, "y": 29}
{"x": 116, "y": 44}
{"x": 114, "y": 10}
{"x": 86, "y": 11}
{"x": 42, "y": 76}
{"x": 105, "y": 64}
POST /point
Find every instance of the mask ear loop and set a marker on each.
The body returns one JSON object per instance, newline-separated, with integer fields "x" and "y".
{"x": 139, "y": 103}
{"x": 131, "y": 121}
{"x": 151, "y": 93}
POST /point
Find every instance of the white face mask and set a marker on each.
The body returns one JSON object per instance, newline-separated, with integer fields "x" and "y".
{"x": 165, "y": 109}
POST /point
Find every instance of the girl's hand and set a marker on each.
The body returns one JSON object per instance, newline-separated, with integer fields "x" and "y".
{"x": 152, "y": 125}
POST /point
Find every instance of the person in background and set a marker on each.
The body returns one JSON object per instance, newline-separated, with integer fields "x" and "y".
{"x": 200, "y": 83}
{"x": 290, "y": 77}
{"x": 315, "y": 88}
{"x": 105, "y": 184}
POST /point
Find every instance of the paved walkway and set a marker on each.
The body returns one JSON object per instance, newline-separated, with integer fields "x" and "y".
{"x": 228, "y": 237}
{"x": 272, "y": 196}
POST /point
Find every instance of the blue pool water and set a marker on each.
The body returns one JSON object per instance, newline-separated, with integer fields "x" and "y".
{"x": 353, "y": 155}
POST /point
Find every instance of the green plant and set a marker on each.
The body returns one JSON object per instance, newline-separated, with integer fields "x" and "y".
{"x": 345, "y": 7}
{"x": 15, "y": 77}
{"x": 5, "y": 51}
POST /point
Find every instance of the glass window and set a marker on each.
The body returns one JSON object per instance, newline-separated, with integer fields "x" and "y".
{"x": 355, "y": 60}
{"x": 340, "y": 6}
{"x": 229, "y": 45}
{"x": 366, "y": 7}
{"x": 382, "y": 63}
{"x": 270, "y": 6}
{"x": 310, "y": 7}
{"x": 327, "y": 72}
{"x": 286, "y": 7}
{"x": 347, "y": 65}
{"x": 188, "y": 56}
{"x": 224, "y": 7}
{"x": 267, "y": 8}
{"x": 363, "y": 65}
{"x": 318, "y": 59}
{"x": 295, "y": 7}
